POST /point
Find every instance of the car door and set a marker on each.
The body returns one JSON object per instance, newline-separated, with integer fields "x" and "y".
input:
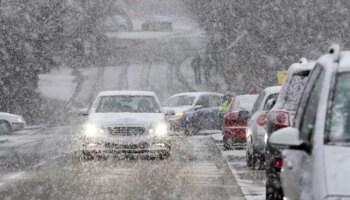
{"x": 297, "y": 163}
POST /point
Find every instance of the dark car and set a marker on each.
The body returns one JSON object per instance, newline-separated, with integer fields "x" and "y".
{"x": 194, "y": 111}
{"x": 280, "y": 116}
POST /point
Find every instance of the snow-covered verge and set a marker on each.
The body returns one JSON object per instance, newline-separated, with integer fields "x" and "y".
{"x": 58, "y": 84}
{"x": 251, "y": 182}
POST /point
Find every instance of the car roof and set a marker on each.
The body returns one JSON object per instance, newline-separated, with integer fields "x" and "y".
{"x": 126, "y": 93}
{"x": 273, "y": 89}
{"x": 343, "y": 58}
{"x": 195, "y": 94}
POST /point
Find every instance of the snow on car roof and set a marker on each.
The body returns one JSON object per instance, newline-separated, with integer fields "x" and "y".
{"x": 273, "y": 89}
{"x": 344, "y": 62}
{"x": 196, "y": 94}
{"x": 126, "y": 92}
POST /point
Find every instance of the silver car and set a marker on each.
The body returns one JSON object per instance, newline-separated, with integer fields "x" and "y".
{"x": 255, "y": 132}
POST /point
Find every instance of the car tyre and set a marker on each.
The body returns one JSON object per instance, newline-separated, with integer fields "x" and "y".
{"x": 5, "y": 127}
{"x": 164, "y": 155}
{"x": 248, "y": 159}
{"x": 227, "y": 145}
{"x": 87, "y": 156}
{"x": 271, "y": 192}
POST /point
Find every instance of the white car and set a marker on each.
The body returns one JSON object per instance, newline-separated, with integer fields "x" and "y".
{"x": 316, "y": 162}
{"x": 255, "y": 132}
{"x": 10, "y": 123}
{"x": 129, "y": 122}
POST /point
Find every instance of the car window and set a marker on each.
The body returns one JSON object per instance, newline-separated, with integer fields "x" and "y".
{"x": 294, "y": 90}
{"x": 215, "y": 101}
{"x": 258, "y": 101}
{"x": 271, "y": 96}
{"x": 203, "y": 101}
{"x": 178, "y": 101}
{"x": 138, "y": 104}
{"x": 310, "y": 111}
{"x": 339, "y": 130}
{"x": 244, "y": 102}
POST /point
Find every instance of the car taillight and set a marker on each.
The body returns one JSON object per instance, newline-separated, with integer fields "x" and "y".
{"x": 261, "y": 119}
{"x": 279, "y": 117}
{"x": 278, "y": 163}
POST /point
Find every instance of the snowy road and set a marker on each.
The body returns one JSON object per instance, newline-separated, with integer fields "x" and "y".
{"x": 195, "y": 170}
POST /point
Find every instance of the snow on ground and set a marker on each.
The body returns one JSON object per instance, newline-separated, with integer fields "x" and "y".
{"x": 90, "y": 77}
{"x": 252, "y": 182}
{"x": 58, "y": 84}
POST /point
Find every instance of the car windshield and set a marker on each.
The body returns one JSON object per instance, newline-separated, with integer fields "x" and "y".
{"x": 340, "y": 113}
{"x": 178, "y": 101}
{"x": 244, "y": 102}
{"x": 133, "y": 104}
{"x": 294, "y": 90}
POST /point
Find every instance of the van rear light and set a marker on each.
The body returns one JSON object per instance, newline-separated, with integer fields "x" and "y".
{"x": 261, "y": 119}
{"x": 278, "y": 163}
{"x": 279, "y": 117}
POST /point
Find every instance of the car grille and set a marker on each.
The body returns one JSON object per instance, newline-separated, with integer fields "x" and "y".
{"x": 126, "y": 131}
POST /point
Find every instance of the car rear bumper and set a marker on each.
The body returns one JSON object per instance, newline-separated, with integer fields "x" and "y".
{"x": 236, "y": 133}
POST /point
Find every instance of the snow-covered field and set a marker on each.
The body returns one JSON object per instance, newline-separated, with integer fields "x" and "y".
{"x": 251, "y": 182}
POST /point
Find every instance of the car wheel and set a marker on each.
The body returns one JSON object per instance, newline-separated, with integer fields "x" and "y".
{"x": 87, "y": 156}
{"x": 271, "y": 192}
{"x": 164, "y": 155}
{"x": 227, "y": 145}
{"x": 5, "y": 127}
{"x": 248, "y": 159}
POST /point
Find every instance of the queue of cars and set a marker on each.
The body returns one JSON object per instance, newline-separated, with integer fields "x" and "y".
{"x": 316, "y": 146}
{"x": 298, "y": 132}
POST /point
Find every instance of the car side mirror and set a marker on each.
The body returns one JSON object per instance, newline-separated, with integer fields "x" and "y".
{"x": 287, "y": 138}
{"x": 169, "y": 112}
{"x": 83, "y": 112}
{"x": 270, "y": 103}
{"x": 243, "y": 114}
{"x": 197, "y": 107}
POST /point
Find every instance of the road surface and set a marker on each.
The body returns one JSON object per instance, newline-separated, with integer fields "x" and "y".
{"x": 51, "y": 168}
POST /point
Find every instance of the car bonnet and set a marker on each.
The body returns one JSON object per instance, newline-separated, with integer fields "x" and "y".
{"x": 142, "y": 119}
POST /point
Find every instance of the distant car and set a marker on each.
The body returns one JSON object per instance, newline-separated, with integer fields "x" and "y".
{"x": 255, "y": 132}
{"x": 117, "y": 23}
{"x": 194, "y": 111}
{"x": 10, "y": 123}
{"x": 280, "y": 116}
{"x": 128, "y": 122}
{"x": 236, "y": 118}
{"x": 157, "y": 26}
{"x": 316, "y": 160}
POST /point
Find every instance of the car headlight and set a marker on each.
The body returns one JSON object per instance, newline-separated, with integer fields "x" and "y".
{"x": 92, "y": 130}
{"x": 20, "y": 120}
{"x": 159, "y": 129}
{"x": 179, "y": 114}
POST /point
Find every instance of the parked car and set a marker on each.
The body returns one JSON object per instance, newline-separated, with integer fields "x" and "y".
{"x": 236, "y": 118}
{"x": 281, "y": 116}
{"x": 117, "y": 23}
{"x": 129, "y": 122}
{"x": 194, "y": 111}
{"x": 10, "y": 123}
{"x": 158, "y": 26}
{"x": 316, "y": 160}
{"x": 255, "y": 132}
